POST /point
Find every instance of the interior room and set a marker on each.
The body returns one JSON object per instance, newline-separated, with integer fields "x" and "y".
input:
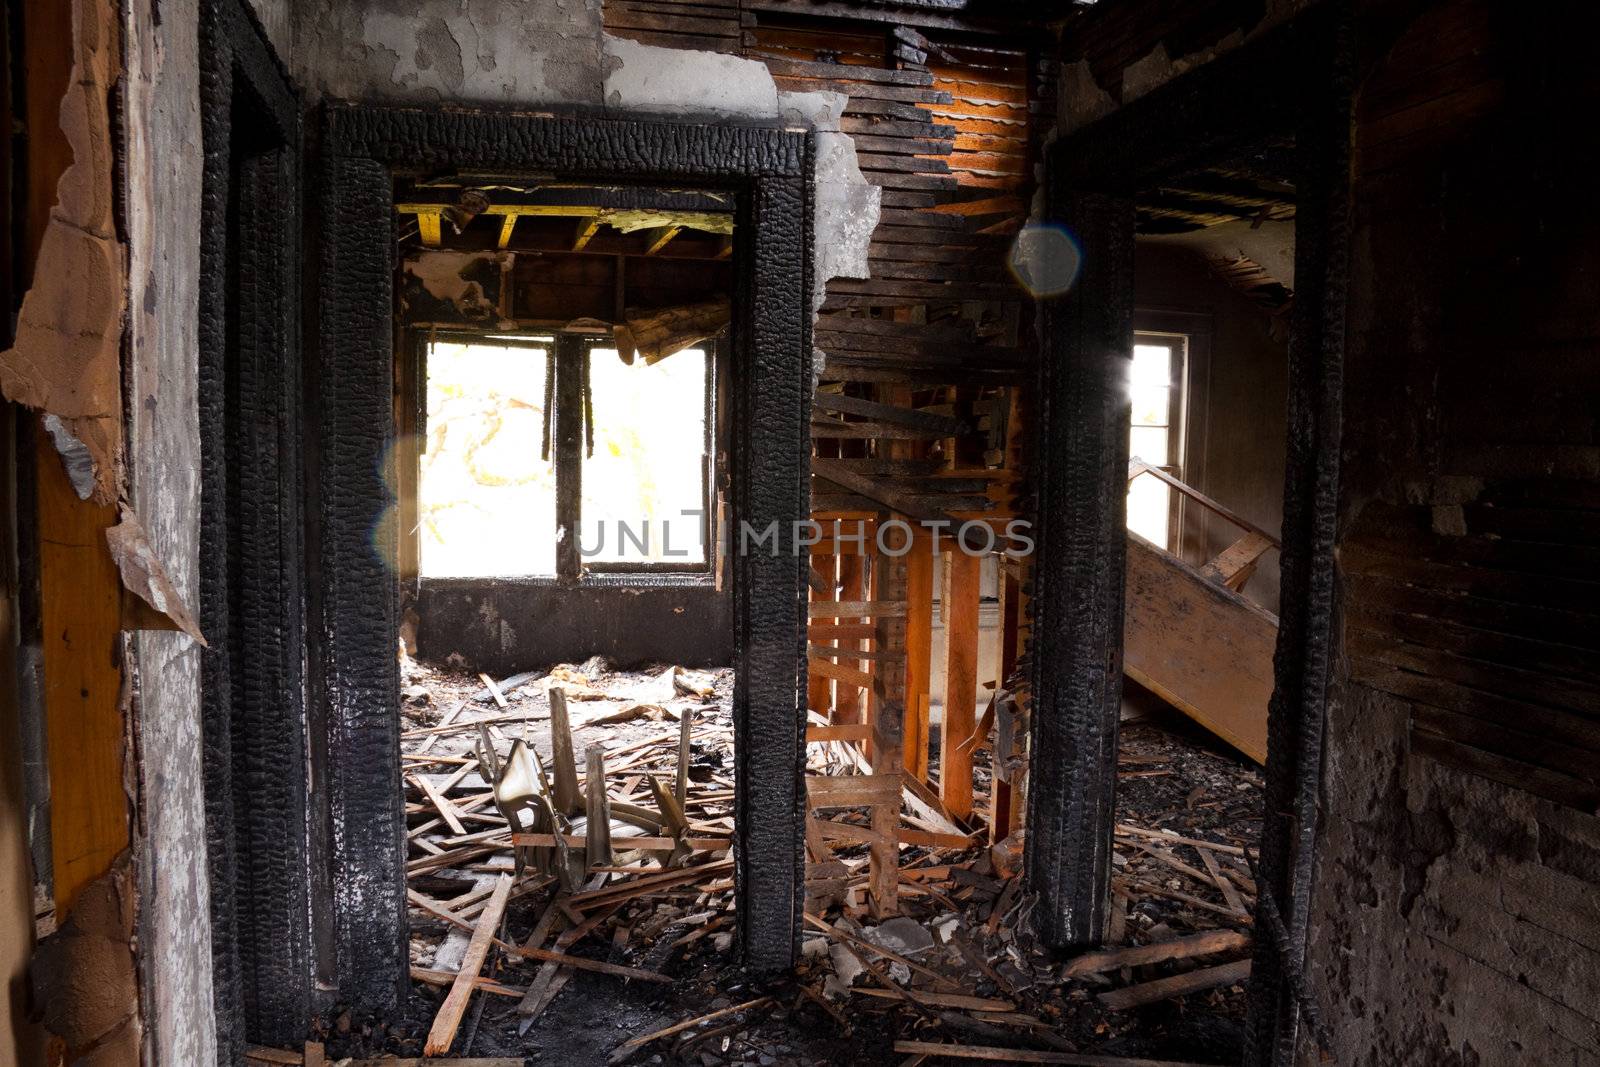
{"x": 795, "y": 532}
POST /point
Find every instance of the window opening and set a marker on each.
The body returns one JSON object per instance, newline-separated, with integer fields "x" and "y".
{"x": 1156, "y": 385}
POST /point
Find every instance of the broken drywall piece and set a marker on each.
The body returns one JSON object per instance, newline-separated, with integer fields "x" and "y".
{"x": 821, "y": 110}
{"x": 75, "y": 456}
{"x": 143, "y": 574}
{"x": 443, "y": 287}
{"x": 66, "y": 359}
{"x": 84, "y": 978}
{"x": 847, "y": 211}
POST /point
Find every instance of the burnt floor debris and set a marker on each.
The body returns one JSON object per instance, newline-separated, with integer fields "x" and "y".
{"x": 765, "y": 532}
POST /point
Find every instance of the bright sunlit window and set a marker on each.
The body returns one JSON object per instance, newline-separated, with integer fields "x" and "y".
{"x": 1156, "y": 386}
{"x": 648, "y": 468}
{"x": 487, "y": 498}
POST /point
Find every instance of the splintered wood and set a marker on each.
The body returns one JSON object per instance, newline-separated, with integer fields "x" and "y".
{"x": 502, "y": 816}
{"x": 538, "y": 861}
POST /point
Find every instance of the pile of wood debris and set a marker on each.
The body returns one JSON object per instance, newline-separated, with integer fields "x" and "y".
{"x": 638, "y": 918}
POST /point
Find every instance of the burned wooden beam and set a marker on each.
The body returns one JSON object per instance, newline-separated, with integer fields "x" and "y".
{"x": 838, "y": 403}
{"x": 662, "y": 239}
{"x": 586, "y": 231}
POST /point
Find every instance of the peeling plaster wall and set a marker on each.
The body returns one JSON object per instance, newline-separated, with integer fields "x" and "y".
{"x": 554, "y": 52}
{"x": 163, "y": 172}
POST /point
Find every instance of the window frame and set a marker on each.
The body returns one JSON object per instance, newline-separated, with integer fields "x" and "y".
{"x": 569, "y": 352}
{"x": 708, "y": 480}
{"x": 1179, "y": 345}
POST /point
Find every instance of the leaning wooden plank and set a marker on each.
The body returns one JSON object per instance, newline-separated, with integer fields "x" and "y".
{"x": 1199, "y": 646}
{"x": 997, "y": 1054}
{"x": 680, "y": 790}
{"x": 597, "y": 808}
{"x": 484, "y": 985}
{"x": 826, "y": 668}
{"x": 443, "y": 1033}
{"x": 567, "y": 799}
{"x": 494, "y": 690}
{"x": 1176, "y": 986}
{"x": 1229, "y": 891}
{"x": 1202, "y": 944}
{"x": 552, "y": 977}
{"x": 621, "y": 1053}
{"x": 447, "y": 811}
{"x": 1234, "y": 565}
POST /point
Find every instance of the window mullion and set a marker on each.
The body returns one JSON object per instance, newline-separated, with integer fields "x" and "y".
{"x": 569, "y": 454}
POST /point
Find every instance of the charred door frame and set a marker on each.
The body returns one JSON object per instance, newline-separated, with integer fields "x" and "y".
{"x": 362, "y": 149}
{"x": 251, "y": 543}
{"x": 1296, "y": 81}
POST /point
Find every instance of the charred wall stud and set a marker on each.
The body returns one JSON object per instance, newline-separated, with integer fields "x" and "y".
{"x": 1093, "y": 175}
{"x": 251, "y": 546}
{"x": 769, "y": 170}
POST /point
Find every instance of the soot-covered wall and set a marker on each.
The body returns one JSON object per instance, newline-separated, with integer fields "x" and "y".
{"x": 506, "y": 625}
{"x": 1457, "y": 914}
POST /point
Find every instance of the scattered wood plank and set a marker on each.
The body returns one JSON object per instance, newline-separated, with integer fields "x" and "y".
{"x": 623, "y": 1051}
{"x": 959, "y": 1001}
{"x": 626, "y": 844}
{"x": 1229, "y": 891}
{"x": 1174, "y": 839}
{"x": 1201, "y": 944}
{"x": 494, "y": 691}
{"x": 1176, "y": 986}
{"x": 443, "y": 1033}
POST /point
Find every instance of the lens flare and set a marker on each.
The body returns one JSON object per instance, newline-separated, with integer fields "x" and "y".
{"x": 1044, "y": 258}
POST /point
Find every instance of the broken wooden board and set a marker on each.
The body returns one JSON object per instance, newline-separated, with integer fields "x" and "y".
{"x": 1201, "y": 647}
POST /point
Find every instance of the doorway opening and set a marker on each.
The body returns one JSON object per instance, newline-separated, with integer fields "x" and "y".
{"x": 1207, "y": 390}
{"x": 566, "y": 680}
{"x": 1192, "y": 145}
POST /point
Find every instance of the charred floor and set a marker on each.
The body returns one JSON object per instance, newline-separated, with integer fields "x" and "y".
{"x": 764, "y": 532}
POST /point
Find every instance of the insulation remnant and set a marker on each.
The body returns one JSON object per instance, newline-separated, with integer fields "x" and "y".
{"x": 656, "y": 334}
{"x": 84, "y": 979}
{"x": 629, "y": 220}
{"x": 469, "y": 286}
{"x": 75, "y": 456}
{"x": 66, "y": 359}
{"x": 144, "y": 575}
